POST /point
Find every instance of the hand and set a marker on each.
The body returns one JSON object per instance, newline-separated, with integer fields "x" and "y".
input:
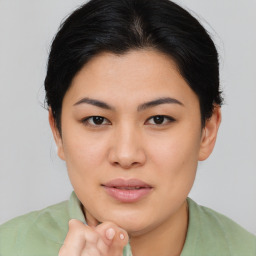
{"x": 106, "y": 239}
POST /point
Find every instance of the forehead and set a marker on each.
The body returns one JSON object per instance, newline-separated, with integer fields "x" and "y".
{"x": 138, "y": 75}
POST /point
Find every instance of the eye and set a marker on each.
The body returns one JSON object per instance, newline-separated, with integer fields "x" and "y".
{"x": 95, "y": 121}
{"x": 160, "y": 120}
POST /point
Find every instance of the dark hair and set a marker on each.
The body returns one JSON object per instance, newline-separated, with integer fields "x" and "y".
{"x": 118, "y": 26}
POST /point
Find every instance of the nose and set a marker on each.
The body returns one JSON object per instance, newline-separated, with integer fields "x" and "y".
{"x": 127, "y": 150}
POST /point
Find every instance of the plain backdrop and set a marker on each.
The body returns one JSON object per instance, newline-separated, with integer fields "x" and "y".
{"x": 31, "y": 175}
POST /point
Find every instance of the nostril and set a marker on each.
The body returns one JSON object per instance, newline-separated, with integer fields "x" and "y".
{"x": 135, "y": 163}
{"x": 126, "y": 165}
{"x": 126, "y": 158}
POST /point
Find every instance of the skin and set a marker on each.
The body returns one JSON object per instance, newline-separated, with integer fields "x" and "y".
{"x": 130, "y": 144}
{"x": 104, "y": 239}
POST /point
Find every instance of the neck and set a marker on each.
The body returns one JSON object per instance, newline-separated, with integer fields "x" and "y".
{"x": 166, "y": 240}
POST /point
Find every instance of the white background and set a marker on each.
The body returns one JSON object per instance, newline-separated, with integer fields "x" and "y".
{"x": 31, "y": 175}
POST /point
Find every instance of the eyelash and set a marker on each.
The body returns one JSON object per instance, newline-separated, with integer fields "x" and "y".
{"x": 168, "y": 119}
{"x": 86, "y": 121}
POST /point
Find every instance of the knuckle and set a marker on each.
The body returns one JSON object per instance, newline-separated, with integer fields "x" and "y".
{"x": 62, "y": 251}
{"x": 73, "y": 223}
{"x": 93, "y": 238}
{"x": 92, "y": 251}
{"x": 76, "y": 226}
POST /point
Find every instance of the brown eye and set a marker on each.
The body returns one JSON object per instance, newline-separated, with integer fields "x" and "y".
{"x": 98, "y": 120}
{"x": 160, "y": 120}
{"x": 95, "y": 121}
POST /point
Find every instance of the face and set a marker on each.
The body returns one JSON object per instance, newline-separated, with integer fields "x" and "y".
{"x": 132, "y": 138}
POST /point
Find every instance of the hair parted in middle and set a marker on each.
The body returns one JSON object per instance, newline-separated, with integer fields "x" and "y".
{"x": 118, "y": 26}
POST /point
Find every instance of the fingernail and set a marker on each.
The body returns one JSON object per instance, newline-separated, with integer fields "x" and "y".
{"x": 110, "y": 233}
{"x": 122, "y": 236}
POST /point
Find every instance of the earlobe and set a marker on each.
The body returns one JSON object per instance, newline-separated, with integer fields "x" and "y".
{"x": 56, "y": 135}
{"x": 209, "y": 134}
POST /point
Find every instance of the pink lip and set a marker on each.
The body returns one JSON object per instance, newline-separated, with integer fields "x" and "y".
{"x": 127, "y": 191}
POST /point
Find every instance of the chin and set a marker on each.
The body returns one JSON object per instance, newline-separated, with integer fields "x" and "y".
{"x": 137, "y": 229}
{"x": 135, "y": 223}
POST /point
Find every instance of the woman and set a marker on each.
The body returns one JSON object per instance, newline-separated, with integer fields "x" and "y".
{"x": 134, "y": 103}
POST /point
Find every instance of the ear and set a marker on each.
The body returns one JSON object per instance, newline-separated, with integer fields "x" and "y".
{"x": 56, "y": 135}
{"x": 209, "y": 134}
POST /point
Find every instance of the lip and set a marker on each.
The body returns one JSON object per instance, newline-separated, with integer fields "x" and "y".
{"x": 127, "y": 191}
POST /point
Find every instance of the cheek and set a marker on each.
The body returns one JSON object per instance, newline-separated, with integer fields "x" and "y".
{"x": 175, "y": 156}
{"x": 175, "y": 149}
{"x": 84, "y": 153}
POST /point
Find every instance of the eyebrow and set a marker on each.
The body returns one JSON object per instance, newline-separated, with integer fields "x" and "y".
{"x": 94, "y": 102}
{"x": 153, "y": 103}
{"x": 166, "y": 100}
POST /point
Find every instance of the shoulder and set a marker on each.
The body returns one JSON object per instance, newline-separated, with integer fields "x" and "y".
{"x": 37, "y": 231}
{"x": 218, "y": 233}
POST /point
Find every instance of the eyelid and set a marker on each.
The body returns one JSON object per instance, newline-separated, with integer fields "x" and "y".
{"x": 169, "y": 118}
{"x": 85, "y": 121}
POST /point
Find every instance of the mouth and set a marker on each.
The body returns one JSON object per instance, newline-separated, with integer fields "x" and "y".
{"x": 127, "y": 191}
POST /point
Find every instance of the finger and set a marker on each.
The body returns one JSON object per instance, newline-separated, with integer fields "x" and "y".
{"x": 119, "y": 242}
{"x": 91, "y": 251}
{"x": 94, "y": 243}
{"x": 74, "y": 241}
{"x": 80, "y": 238}
{"x": 110, "y": 231}
{"x": 113, "y": 236}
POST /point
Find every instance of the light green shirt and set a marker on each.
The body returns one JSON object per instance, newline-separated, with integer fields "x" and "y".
{"x": 41, "y": 233}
